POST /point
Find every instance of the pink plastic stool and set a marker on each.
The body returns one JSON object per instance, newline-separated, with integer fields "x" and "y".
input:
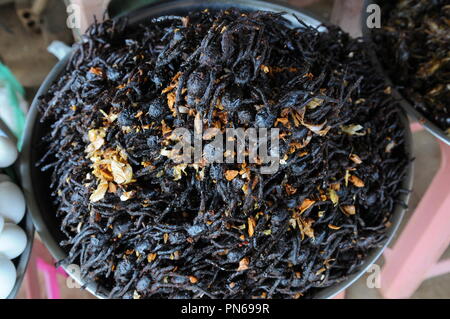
{"x": 415, "y": 256}
{"x": 41, "y": 261}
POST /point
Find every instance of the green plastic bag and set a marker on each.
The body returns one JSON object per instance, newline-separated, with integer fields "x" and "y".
{"x": 12, "y": 102}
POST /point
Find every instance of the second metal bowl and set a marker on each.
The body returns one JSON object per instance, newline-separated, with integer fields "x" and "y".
{"x": 403, "y": 101}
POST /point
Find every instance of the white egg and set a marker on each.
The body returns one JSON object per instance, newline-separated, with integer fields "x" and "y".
{"x": 12, "y": 202}
{"x": 7, "y": 276}
{"x": 4, "y": 178}
{"x": 2, "y": 223}
{"x": 13, "y": 241}
{"x": 8, "y": 152}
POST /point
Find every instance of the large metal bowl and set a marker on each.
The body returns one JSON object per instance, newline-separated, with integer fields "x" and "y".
{"x": 403, "y": 101}
{"x": 36, "y": 183}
